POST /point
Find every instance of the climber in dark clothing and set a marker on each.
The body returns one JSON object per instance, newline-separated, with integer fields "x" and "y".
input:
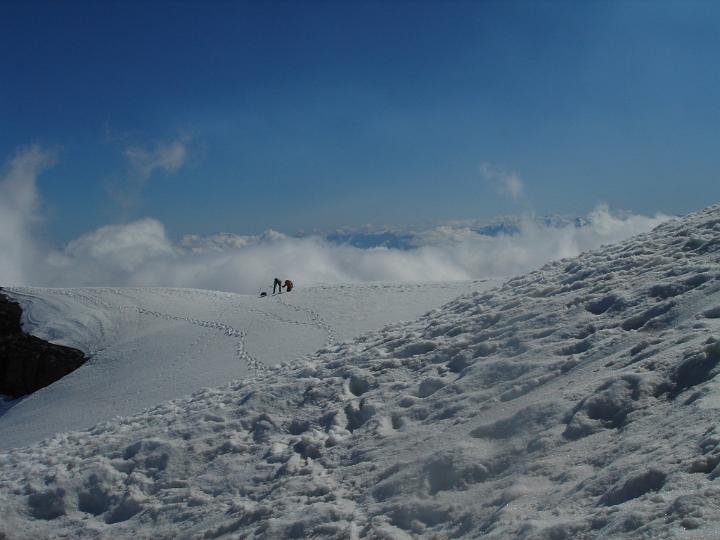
{"x": 277, "y": 283}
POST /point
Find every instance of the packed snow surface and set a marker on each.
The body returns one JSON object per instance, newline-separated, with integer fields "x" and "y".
{"x": 577, "y": 401}
{"x": 150, "y": 345}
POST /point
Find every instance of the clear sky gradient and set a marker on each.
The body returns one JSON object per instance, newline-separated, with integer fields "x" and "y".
{"x": 303, "y": 115}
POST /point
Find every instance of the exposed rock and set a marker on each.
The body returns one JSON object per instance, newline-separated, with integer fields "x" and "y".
{"x": 28, "y": 363}
{"x": 10, "y": 313}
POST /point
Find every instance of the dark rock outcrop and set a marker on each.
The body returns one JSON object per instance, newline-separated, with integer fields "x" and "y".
{"x": 28, "y": 363}
{"x": 10, "y": 314}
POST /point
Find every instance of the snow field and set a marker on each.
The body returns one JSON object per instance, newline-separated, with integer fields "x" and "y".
{"x": 577, "y": 401}
{"x": 149, "y": 345}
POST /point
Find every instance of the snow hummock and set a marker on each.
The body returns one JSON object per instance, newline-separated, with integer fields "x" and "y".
{"x": 577, "y": 401}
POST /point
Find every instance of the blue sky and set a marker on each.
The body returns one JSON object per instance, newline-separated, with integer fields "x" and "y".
{"x": 302, "y": 115}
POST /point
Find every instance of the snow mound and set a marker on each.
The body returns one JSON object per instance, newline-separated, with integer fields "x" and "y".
{"x": 578, "y": 401}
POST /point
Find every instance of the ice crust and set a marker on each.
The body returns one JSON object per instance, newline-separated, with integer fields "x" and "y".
{"x": 578, "y": 401}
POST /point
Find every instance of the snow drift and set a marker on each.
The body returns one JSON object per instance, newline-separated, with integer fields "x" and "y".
{"x": 577, "y": 401}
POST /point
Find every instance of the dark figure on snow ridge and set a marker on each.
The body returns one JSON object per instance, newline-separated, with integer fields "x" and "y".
{"x": 277, "y": 283}
{"x": 288, "y": 285}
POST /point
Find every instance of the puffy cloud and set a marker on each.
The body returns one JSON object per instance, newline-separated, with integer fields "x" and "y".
{"x": 111, "y": 255}
{"x": 125, "y": 246}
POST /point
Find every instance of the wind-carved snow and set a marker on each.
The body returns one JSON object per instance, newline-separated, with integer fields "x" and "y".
{"x": 577, "y": 401}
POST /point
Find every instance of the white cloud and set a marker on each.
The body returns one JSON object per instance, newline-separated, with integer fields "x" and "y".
{"x": 141, "y": 254}
{"x": 224, "y": 241}
{"x": 144, "y": 162}
{"x": 507, "y": 183}
{"x": 163, "y": 156}
{"x": 112, "y": 254}
{"x": 18, "y": 213}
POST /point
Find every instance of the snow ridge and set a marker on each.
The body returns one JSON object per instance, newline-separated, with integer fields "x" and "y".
{"x": 577, "y": 401}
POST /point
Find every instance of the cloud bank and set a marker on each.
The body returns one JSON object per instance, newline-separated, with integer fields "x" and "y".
{"x": 140, "y": 253}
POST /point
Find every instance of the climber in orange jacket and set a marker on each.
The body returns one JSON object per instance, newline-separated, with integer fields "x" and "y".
{"x": 288, "y": 285}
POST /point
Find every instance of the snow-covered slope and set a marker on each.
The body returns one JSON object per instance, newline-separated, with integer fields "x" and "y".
{"x": 578, "y": 401}
{"x": 151, "y": 345}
